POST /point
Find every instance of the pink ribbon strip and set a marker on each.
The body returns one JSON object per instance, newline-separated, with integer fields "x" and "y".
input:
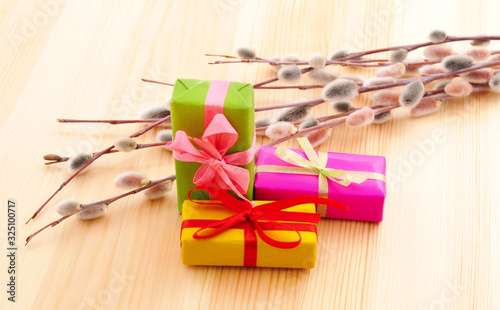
{"x": 214, "y": 102}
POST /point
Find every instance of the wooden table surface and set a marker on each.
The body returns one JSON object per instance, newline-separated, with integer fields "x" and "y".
{"x": 437, "y": 248}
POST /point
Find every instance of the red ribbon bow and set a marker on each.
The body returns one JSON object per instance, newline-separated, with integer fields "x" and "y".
{"x": 218, "y": 169}
{"x": 258, "y": 219}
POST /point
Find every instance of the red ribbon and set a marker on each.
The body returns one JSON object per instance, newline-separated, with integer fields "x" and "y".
{"x": 258, "y": 219}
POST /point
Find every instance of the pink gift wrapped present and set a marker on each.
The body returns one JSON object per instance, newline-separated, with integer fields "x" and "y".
{"x": 356, "y": 181}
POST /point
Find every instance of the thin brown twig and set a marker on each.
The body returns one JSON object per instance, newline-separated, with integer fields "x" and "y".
{"x": 218, "y": 55}
{"x": 299, "y": 87}
{"x": 366, "y": 63}
{"x": 324, "y": 118}
{"x": 339, "y": 115}
{"x": 363, "y": 63}
{"x": 354, "y": 56}
{"x": 157, "y": 82}
{"x": 139, "y": 147}
{"x": 256, "y": 86}
{"x": 310, "y": 103}
{"x": 105, "y": 201}
{"x": 94, "y": 158}
{"x": 303, "y": 71}
{"x": 399, "y": 82}
{"x": 378, "y": 109}
{"x": 108, "y": 121}
{"x": 412, "y": 47}
{"x": 426, "y": 79}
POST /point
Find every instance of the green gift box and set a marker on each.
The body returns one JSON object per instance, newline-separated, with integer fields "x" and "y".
{"x": 189, "y": 106}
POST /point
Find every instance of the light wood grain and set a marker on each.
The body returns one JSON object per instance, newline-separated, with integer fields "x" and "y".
{"x": 437, "y": 248}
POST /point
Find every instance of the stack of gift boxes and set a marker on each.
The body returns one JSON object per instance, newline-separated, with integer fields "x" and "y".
{"x": 238, "y": 212}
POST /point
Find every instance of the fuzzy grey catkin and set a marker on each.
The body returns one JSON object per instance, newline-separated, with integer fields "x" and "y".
{"x": 130, "y": 180}
{"x": 437, "y": 36}
{"x": 310, "y": 122}
{"x": 375, "y": 81}
{"x": 245, "y": 52}
{"x": 93, "y": 212}
{"x": 480, "y": 76}
{"x": 458, "y": 89}
{"x": 289, "y": 73}
{"x": 280, "y": 130}
{"x": 480, "y": 42}
{"x": 386, "y": 96}
{"x": 125, "y": 144}
{"x": 457, "y": 62}
{"x": 383, "y": 117}
{"x": 441, "y": 84}
{"x": 342, "y": 106}
{"x": 412, "y": 94}
{"x": 290, "y": 57}
{"x": 167, "y": 103}
{"x": 478, "y": 53}
{"x": 158, "y": 111}
{"x": 438, "y": 52}
{"x": 426, "y": 108}
{"x": 431, "y": 69}
{"x": 322, "y": 76}
{"x": 165, "y": 135}
{"x": 394, "y": 71}
{"x": 67, "y": 207}
{"x": 317, "y": 60}
{"x": 262, "y": 122}
{"x": 340, "y": 90}
{"x": 361, "y": 117}
{"x": 339, "y": 53}
{"x": 398, "y": 55}
{"x": 293, "y": 114}
{"x": 495, "y": 57}
{"x": 317, "y": 137}
{"x": 494, "y": 82}
{"x": 158, "y": 190}
{"x": 78, "y": 161}
{"x": 275, "y": 58}
{"x": 356, "y": 78}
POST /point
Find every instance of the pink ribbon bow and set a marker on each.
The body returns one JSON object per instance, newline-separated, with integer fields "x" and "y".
{"x": 218, "y": 170}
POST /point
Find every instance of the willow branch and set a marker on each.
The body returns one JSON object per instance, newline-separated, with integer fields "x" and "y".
{"x": 105, "y": 201}
{"x": 139, "y": 147}
{"x": 377, "y": 110}
{"x": 412, "y": 47}
{"x": 94, "y": 158}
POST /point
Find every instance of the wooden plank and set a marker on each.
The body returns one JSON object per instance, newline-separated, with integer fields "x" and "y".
{"x": 439, "y": 244}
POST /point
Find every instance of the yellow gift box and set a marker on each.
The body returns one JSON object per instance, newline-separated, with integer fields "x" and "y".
{"x": 229, "y": 247}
